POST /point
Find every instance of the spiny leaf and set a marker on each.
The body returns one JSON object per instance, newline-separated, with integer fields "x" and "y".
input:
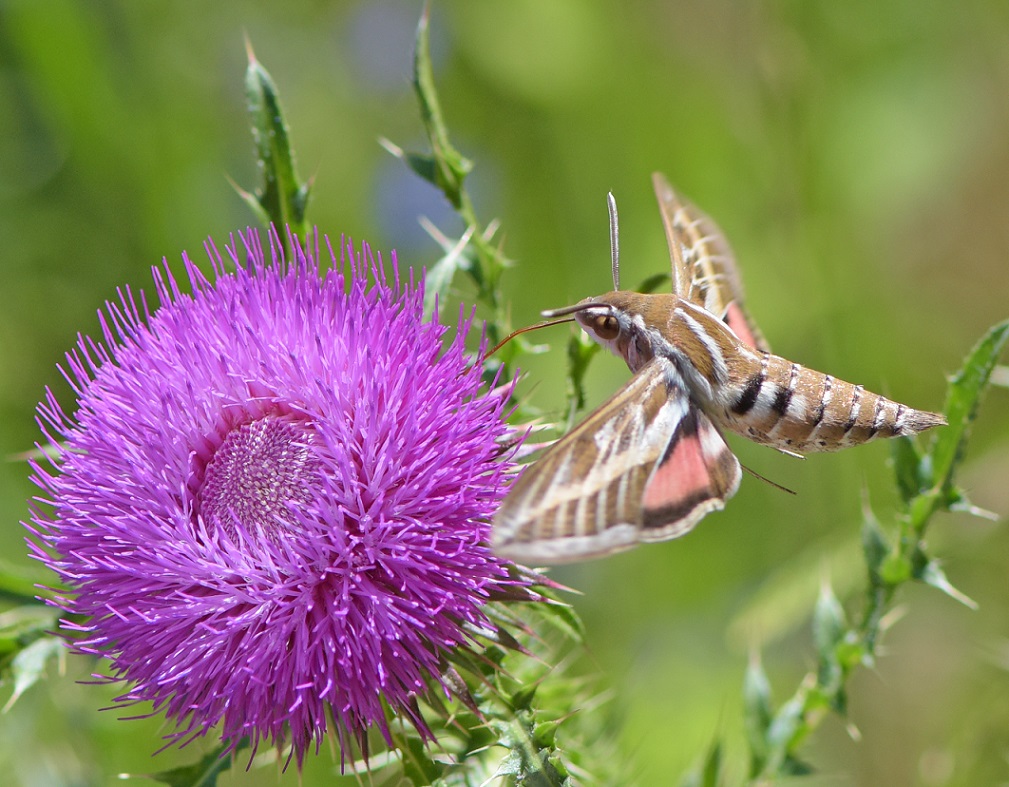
{"x": 875, "y": 547}
{"x": 711, "y": 775}
{"x": 829, "y": 625}
{"x": 839, "y": 701}
{"x": 851, "y": 652}
{"x": 526, "y": 762}
{"x": 962, "y": 399}
{"x": 757, "y": 712}
{"x": 793, "y": 766}
{"x": 581, "y": 350}
{"x": 21, "y": 626}
{"x": 522, "y": 698}
{"x": 438, "y": 278}
{"x": 896, "y": 569}
{"x": 281, "y": 198}
{"x": 956, "y": 500}
{"x": 907, "y": 467}
{"x": 930, "y": 572}
{"x": 29, "y": 666}
{"x": 545, "y": 733}
{"x": 564, "y": 617}
{"x": 785, "y": 728}
{"x": 418, "y": 766}
{"x": 446, "y": 168}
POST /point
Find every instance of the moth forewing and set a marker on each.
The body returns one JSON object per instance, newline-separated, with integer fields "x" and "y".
{"x": 612, "y": 481}
{"x": 703, "y": 265}
{"x": 670, "y": 210}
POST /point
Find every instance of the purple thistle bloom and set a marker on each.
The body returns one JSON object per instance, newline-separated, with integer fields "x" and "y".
{"x": 272, "y": 503}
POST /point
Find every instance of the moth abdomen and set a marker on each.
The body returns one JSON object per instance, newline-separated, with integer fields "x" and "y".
{"x": 780, "y": 403}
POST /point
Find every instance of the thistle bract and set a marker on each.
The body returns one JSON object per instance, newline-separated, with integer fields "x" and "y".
{"x": 271, "y": 502}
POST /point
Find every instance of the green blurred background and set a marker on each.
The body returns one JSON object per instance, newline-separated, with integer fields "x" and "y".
{"x": 856, "y": 154}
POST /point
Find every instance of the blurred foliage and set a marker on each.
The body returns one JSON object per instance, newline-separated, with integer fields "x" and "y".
{"x": 926, "y": 482}
{"x": 857, "y": 156}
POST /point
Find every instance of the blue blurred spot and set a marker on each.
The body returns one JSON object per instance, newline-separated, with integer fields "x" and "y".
{"x": 380, "y": 40}
{"x": 401, "y": 198}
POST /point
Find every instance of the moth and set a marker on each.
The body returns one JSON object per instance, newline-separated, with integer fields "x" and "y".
{"x": 650, "y": 462}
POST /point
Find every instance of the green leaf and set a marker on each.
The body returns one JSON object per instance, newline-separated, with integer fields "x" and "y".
{"x": 21, "y": 626}
{"x": 529, "y": 764}
{"x": 875, "y": 548}
{"x": 545, "y": 733}
{"x": 757, "y": 712}
{"x": 787, "y": 727}
{"x": 20, "y": 584}
{"x": 281, "y": 199}
{"x": 446, "y": 168}
{"x": 956, "y": 500}
{"x": 907, "y": 460}
{"x": 652, "y": 283}
{"x": 711, "y": 770}
{"x": 418, "y": 767}
{"x": 711, "y": 775}
{"x": 423, "y": 165}
{"x": 202, "y": 773}
{"x": 930, "y": 572}
{"x": 522, "y": 699}
{"x": 829, "y": 625}
{"x": 793, "y": 766}
{"x": 896, "y": 569}
{"x": 962, "y": 399}
{"x": 851, "y": 652}
{"x": 839, "y": 700}
{"x": 29, "y": 666}
{"x": 581, "y": 350}
{"x": 563, "y": 617}
{"x": 438, "y": 278}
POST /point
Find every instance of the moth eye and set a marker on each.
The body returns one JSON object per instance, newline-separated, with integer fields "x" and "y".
{"x": 606, "y": 327}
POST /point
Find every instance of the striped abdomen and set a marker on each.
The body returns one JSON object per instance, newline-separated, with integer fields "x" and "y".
{"x": 780, "y": 403}
{"x": 774, "y": 401}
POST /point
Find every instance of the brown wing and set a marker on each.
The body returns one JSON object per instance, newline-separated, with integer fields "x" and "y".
{"x": 704, "y": 268}
{"x": 612, "y": 481}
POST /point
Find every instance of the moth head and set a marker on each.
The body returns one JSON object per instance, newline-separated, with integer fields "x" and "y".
{"x": 608, "y": 319}
{"x": 616, "y": 320}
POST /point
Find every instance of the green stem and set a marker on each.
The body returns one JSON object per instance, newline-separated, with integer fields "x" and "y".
{"x": 489, "y": 277}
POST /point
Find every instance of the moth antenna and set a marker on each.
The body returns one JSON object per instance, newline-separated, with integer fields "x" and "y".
{"x": 611, "y": 205}
{"x": 578, "y": 307}
{"x": 757, "y": 475}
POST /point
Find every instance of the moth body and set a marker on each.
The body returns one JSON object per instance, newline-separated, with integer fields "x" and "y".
{"x": 752, "y": 392}
{"x": 651, "y": 461}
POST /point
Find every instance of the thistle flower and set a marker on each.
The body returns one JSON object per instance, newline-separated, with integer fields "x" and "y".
{"x": 271, "y": 504}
